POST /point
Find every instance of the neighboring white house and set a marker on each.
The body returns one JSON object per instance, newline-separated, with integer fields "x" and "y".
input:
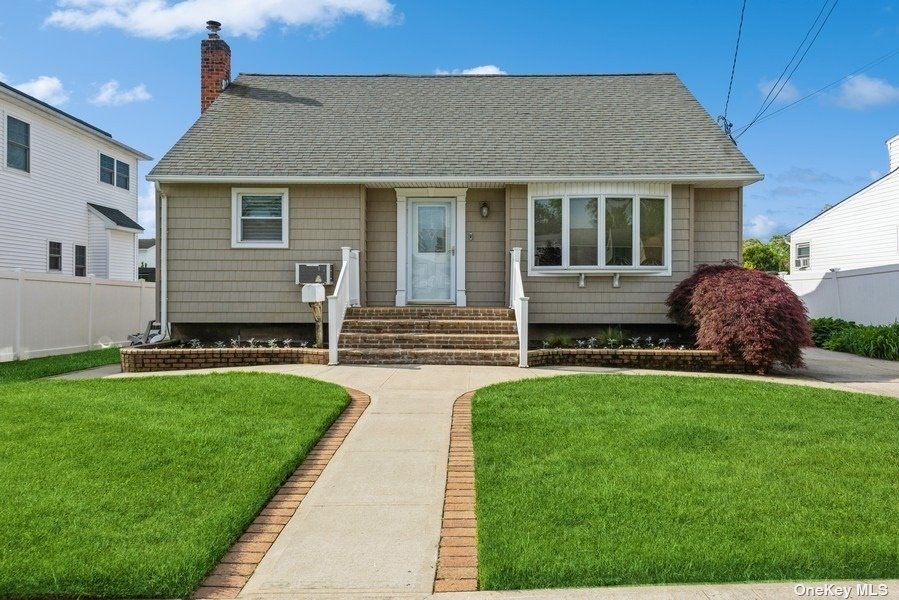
{"x": 146, "y": 253}
{"x": 68, "y": 193}
{"x": 845, "y": 261}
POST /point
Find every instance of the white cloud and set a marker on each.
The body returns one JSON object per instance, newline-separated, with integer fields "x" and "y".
{"x": 111, "y": 95}
{"x": 146, "y": 210}
{"x": 861, "y": 91}
{"x": 3, "y": 77}
{"x": 49, "y": 89}
{"x": 166, "y": 19}
{"x": 481, "y": 70}
{"x": 874, "y": 174}
{"x": 759, "y": 226}
{"x": 789, "y": 92}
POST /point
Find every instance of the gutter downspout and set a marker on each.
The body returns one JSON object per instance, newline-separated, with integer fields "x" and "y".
{"x": 836, "y": 291}
{"x": 163, "y": 262}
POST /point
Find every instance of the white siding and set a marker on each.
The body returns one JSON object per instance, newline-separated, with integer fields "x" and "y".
{"x": 122, "y": 261}
{"x": 146, "y": 257}
{"x": 50, "y": 202}
{"x": 862, "y": 231}
{"x": 97, "y": 246}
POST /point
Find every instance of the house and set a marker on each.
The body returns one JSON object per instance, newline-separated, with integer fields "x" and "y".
{"x": 856, "y": 241}
{"x": 860, "y": 231}
{"x": 146, "y": 253}
{"x": 68, "y": 193}
{"x": 613, "y": 187}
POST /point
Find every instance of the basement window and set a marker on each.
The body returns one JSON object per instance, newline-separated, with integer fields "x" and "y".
{"x": 259, "y": 218}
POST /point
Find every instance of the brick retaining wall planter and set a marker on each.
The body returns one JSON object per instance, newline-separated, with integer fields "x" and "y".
{"x": 667, "y": 360}
{"x": 165, "y": 358}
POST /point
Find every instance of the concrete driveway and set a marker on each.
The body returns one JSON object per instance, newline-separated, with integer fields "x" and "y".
{"x": 850, "y": 372}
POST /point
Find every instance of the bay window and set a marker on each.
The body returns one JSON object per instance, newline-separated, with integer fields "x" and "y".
{"x": 600, "y": 233}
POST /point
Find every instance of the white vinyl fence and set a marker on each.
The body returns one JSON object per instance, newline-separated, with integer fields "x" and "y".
{"x": 869, "y": 296}
{"x": 44, "y": 314}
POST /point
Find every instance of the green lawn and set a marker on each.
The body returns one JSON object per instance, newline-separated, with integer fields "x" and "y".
{"x": 612, "y": 480}
{"x": 135, "y": 487}
{"x": 35, "y": 368}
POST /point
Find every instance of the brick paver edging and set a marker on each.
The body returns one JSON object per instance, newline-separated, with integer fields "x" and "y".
{"x": 457, "y": 556}
{"x": 235, "y": 568}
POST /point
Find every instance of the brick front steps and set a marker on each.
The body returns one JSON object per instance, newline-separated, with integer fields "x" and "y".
{"x": 457, "y": 555}
{"x": 442, "y": 335}
{"x": 229, "y": 577}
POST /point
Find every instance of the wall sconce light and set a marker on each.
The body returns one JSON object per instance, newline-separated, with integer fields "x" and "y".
{"x": 485, "y": 210}
{"x": 616, "y": 280}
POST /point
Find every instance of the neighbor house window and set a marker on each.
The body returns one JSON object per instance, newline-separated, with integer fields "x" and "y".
{"x": 122, "y": 175}
{"x": 107, "y": 169}
{"x": 115, "y": 172}
{"x": 259, "y": 218}
{"x": 80, "y": 261}
{"x": 18, "y": 144}
{"x": 803, "y": 255}
{"x": 54, "y": 256}
{"x": 600, "y": 233}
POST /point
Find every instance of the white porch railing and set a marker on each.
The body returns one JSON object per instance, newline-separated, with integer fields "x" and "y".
{"x": 519, "y": 303}
{"x": 346, "y": 294}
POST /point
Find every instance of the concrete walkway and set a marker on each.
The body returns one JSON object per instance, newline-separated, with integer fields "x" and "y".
{"x": 371, "y": 524}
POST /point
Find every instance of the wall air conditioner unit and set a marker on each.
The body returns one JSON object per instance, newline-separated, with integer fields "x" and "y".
{"x": 315, "y": 273}
{"x": 802, "y": 263}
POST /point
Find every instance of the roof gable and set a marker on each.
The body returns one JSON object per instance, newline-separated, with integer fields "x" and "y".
{"x": 464, "y": 126}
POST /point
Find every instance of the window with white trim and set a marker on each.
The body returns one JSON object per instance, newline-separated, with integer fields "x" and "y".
{"x": 18, "y": 144}
{"x": 115, "y": 172}
{"x": 80, "y": 261}
{"x": 803, "y": 255}
{"x": 54, "y": 256}
{"x": 612, "y": 233}
{"x": 259, "y": 218}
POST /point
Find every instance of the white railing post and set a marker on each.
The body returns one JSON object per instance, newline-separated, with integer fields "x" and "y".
{"x": 518, "y": 302}
{"x": 355, "y": 294}
{"x": 523, "y": 332}
{"x": 90, "y": 311}
{"x": 341, "y": 299}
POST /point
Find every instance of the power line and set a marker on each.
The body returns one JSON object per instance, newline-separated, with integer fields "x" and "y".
{"x": 733, "y": 67}
{"x": 774, "y": 85}
{"x": 786, "y": 80}
{"x": 740, "y": 131}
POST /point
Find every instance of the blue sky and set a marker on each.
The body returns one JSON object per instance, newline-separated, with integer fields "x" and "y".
{"x": 131, "y": 67}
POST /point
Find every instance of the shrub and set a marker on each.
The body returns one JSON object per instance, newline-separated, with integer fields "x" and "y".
{"x": 745, "y": 315}
{"x": 874, "y": 341}
{"x": 679, "y": 300}
{"x": 823, "y": 328}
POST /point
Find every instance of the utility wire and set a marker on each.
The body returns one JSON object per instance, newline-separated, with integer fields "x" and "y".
{"x": 740, "y": 131}
{"x": 733, "y": 67}
{"x": 790, "y": 62}
{"x": 764, "y": 108}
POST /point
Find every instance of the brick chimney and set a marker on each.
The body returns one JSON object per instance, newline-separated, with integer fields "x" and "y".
{"x": 215, "y": 65}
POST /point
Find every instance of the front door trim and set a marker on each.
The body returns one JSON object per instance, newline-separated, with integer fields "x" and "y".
{"x": 402, "y": 237}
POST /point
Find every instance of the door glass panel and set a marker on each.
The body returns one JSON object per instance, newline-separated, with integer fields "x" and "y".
{"x": 583, "y": 231}
{"x": 619, "y": 231}
{"x": 431, "y": 234}
{"x": 432, "y": 229}
{"x": 548, "y": 232}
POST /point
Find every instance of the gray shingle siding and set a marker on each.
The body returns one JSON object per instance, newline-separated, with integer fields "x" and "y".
{"x": 440, "y": 126}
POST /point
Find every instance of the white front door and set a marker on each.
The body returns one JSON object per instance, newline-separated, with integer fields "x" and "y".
{"x": 432, "y": 251}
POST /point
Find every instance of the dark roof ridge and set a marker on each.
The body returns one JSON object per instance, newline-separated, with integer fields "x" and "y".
{"x": 459, "y": 75}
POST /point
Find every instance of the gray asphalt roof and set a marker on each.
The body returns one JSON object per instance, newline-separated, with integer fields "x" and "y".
{"x": 116, "y": 216}
{"x": 378, "y": 126}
